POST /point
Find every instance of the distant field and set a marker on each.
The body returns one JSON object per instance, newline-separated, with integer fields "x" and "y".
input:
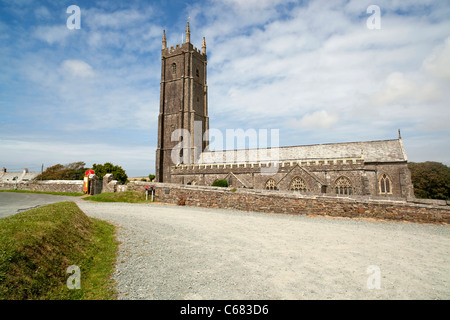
{"x": 138, "y": 179}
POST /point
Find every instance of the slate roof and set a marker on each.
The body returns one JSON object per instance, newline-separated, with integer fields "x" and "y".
{"x": 370, "y": 151}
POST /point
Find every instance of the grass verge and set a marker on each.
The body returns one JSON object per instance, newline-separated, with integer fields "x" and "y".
{"x": 37, "y": 247}
{"x": 126, "y": 196}
{"x": 74, "y": 194}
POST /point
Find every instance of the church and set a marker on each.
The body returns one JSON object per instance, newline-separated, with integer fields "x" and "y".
{"x": 368, "y": 168}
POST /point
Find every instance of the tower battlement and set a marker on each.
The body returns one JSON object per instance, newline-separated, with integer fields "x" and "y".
{"x": 186, "y": 45}
{"x": 180, "y": 48}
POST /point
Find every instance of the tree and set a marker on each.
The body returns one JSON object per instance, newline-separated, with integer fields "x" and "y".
{"x": 71, "y": 171}
{"x": 220, "y": 183}
{"x": 151, "y": 177}
{"x": 117, "y": 171}
{"x": 431, "y": 180}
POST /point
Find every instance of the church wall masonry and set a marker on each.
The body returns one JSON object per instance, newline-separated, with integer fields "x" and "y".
{"x": 316, "y": 174}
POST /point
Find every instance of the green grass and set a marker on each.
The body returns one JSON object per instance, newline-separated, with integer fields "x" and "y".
{"x": 126, "y": 196}
{"x": 37, "y": 247}
{"x": 74, "y": 194}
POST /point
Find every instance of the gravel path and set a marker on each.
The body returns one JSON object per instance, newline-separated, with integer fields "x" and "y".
{"x": 172, "y": 252}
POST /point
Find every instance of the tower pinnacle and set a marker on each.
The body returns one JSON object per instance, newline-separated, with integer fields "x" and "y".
{"x": 188, "y": 33}
{"x": 164, "y": 40}
{"x": 204, "y": 46}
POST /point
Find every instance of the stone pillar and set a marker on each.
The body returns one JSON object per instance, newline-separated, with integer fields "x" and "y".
{"x": 109, "y": 184}
{"x": 406, "y": 185}
{"x": 95, "y": 184}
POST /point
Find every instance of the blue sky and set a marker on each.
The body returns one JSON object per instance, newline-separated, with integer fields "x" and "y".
{"x": 312, "y": 69}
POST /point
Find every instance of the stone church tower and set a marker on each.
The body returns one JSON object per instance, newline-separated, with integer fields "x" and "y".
{"x": 183, "y": 105}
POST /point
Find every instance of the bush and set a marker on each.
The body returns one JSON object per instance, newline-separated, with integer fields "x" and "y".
{"x": 431, "y": 180}
{"x": 220, "y": 183}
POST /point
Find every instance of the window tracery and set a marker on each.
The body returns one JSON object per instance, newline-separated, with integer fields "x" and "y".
{"x": 298, "y": 185}
{"x": 343, "y": 185}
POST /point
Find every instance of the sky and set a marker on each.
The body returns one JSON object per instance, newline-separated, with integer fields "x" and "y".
{"x": 317, "y": 71}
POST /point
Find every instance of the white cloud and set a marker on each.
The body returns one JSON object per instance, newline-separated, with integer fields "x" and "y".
{"x": 52, "y": 34}
{"x": 438, "y": 62}
{"x": 421, "y": 86}
{"x": 316, "y": 120}
{"x": 77, "y": 69}
{"x": 252, "y": 4}
{"x": 42, "y": 13}
{"x": 126, "y": 30}
{"x": 119, "y": 19}
{"x": 398, "y": 87}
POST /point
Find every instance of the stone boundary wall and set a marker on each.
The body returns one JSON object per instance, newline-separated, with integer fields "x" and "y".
{"x": 428, "y": 211}
{"x": 46, "y": 185}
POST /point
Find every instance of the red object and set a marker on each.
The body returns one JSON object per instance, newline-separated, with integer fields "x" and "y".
{"x": 88, "y": 172}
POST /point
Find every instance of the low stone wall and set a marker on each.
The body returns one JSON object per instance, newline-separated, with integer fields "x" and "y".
{"x": 47, "y": 185}
{"x": 435, "y": 211}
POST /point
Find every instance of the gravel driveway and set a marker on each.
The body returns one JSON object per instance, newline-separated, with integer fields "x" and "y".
{"x": 173, "y": 252}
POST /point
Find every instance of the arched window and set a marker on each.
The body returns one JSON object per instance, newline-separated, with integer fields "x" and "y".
{"x": 298, "y": 185}
{"x": 174, "y": 68}
{"x": 271, "y": 185}
{"x": 385, "y": 184}
{"x": 343, "y": 185}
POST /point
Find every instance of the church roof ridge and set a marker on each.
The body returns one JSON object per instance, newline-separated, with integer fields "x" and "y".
{"x": 311, "y": 145}
{"x": 371, "y": 151}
